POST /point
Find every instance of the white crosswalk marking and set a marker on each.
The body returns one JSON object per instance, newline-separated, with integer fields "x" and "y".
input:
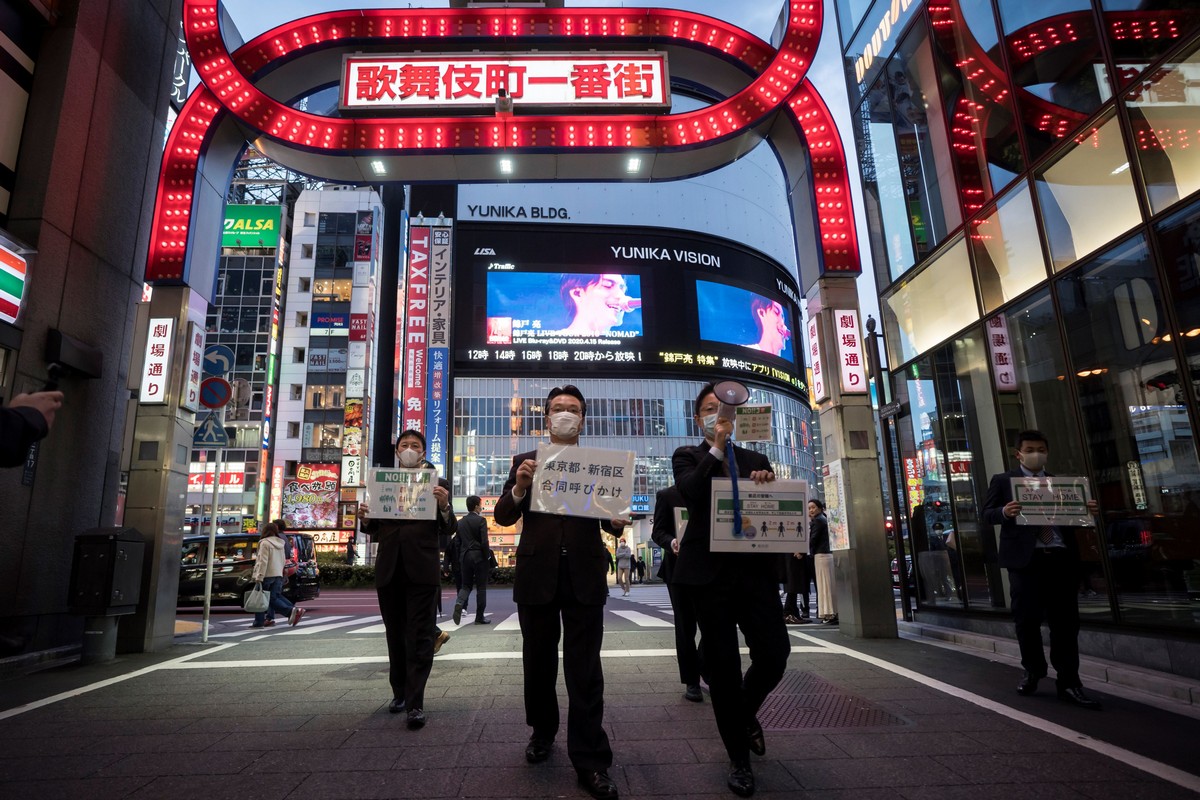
{"x": 315, "y": 627}
{"x": 644, "y": 620}
{"x": 509, "y": 624}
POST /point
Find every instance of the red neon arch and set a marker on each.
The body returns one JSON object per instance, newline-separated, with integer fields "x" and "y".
{"x": 229, "y": 88}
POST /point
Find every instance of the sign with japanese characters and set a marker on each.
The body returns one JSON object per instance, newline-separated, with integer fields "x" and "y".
{"x": 437, "y": 393}
{"x": 774, "y": 517}
{"x": 625, "y": 81}
{"x": 1053, "y": 500}
{"x": 310, "y": 500}
{"x": 582, "y": 481}
{"x": 820, "y": 389}
{"x": 851, "y": 359}
{"x": 156, "y": 367}
{"x": 753, "y": 423}
{"x": 190, "y": 398}
{"x": 416, "y": 330}
{"x": 835, "y": 505}
{"x": 401, "y": 493}
{"x": 1004, "y": 370}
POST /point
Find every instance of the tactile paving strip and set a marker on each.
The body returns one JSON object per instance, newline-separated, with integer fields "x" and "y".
{"x": 804, "y": 700}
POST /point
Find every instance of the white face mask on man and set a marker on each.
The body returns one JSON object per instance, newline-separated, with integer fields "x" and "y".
{"x": 1034, "y": 462}
{"x": 709, "y": 423}
{"x": 564, "y": 424}
{"x": 410, "y": 458}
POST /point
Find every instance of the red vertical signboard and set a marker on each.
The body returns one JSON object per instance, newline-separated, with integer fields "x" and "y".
{"x": 416, "y": 339}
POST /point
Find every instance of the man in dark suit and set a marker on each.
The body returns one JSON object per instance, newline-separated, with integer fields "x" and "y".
{"x": 729, "y": 591}
{"x": 476, "y": 561}
{"x": 407, "y": 581}
{"x": 1043, "y": 575}
{"x": 26, "y": 419}
{"x": 664, "y": 535}
{"x": 561, "y": 584}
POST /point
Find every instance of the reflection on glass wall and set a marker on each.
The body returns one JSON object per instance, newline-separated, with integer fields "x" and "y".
{"x": 1164, "y": 110}
{"x": 1059, "y": 75}
{"x": 1087, "y": 194}
{"x": 930, "y": 306}
{"x": 926, "y": 168}
{"x": 883, "y": 193}
{"x": 1007, "y": 259}
{"x": 1140, "y": 31}
{"x": 983, "y": 128}
{"x": 1138, "y": 432}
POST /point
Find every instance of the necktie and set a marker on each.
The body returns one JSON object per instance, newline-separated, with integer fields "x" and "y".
{"x": 731, "y": 465}
{"x": 1046, "y": 534}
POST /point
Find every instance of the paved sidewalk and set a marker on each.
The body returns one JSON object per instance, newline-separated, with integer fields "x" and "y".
{"x": 305, "y": 717}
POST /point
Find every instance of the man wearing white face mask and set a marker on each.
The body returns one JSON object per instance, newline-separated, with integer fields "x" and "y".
{"x": 561, "y": 585}
{"x": 407, "y": 580}
{"x": 1043, "y": 574}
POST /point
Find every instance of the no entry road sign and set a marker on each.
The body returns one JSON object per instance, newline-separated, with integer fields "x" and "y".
{"x": 215, "y": 392}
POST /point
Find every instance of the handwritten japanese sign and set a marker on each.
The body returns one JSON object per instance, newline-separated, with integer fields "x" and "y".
{"x": 582, "y": 481}
{"x": 774, "y": 517}
{"x": 401, "y": 493}
{"x": 629, "y": 81}
{"x": 753, "y": 423}
{"x": 1053, "y": 500}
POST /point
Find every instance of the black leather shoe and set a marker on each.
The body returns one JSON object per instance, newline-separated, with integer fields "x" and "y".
{"x": 1028, "y": 684}
{"x": 397, "y": 705}
{"x": 758, "y": 744}
{"x": 693, "y": 693}
{"x": 538, "y": 750}
{"x": 457, "y": 614}
{"x": 1076, "y": 697}
{"x": 483, "y": 621}
{"x": 597, "y": 783}
{"x": 416, "y": 719}
{"x": 741, "y": 778}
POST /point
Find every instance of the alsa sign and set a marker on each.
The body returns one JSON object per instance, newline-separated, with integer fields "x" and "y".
{"x": 625, "y": 81}
{"x": 251, "y": 226}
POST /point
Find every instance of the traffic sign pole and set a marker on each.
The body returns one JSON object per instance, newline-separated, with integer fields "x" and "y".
{"x": 212, "y": 547}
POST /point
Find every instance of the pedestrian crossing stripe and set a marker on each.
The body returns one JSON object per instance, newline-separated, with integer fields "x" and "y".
{"x": 12, "y": 284}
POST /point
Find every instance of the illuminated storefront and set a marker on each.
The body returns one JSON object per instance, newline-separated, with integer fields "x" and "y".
{"x": 1031, "y": 181}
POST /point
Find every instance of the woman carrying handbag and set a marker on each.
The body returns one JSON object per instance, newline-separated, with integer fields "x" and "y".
{"x": 268, "y": 569}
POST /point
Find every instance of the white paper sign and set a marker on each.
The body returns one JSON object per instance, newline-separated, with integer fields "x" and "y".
{"x": 753, "y": 423}
{"x": 835, "y": 505}
{"x": 681, "y": 520}
{"x": 401, "y": 493}
{"x": 582, "y": 481}
{"x": 1053, "y": 500}
{"x": 774, "y": 517}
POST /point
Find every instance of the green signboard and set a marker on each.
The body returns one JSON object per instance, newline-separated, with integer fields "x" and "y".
{"x": 251, "y": 226}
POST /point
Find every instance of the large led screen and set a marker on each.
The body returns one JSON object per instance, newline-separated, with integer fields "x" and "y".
{"x": 583, "y": 300}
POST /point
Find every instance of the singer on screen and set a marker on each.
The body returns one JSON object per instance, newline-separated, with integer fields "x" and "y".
{"x": 773, "y": 331}
{"x": 596, "y": 303}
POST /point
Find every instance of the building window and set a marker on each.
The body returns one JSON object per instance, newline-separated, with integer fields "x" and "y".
{"x": 310, "y": 220}
{"x": 1087, "y": 194}
{"x": 293, "y": 430}
{"x": 931, "y": 306}
{"x": 303, "y": 284}
{"x": 297, "y": 392}
{"x": 1008, "y": 257}
{"x": 298, "y": 355}
{"x": 306, "y": 250}
{"x": 301, "y": 319}
{"x": 333, "y": 290}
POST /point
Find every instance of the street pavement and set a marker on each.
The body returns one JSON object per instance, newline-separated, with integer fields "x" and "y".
{"x": 302, "y": 713}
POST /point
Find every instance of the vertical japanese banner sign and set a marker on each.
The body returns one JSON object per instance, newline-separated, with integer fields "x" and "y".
{"x": 850, "y": 352}
{"x": 820, "y": 389}
{"x": 416, "y": 330}
{"x": 190, "y": 397}
{"x": 439, "y": 346}
{"x": 1004, "y": 369}
{"x": 156, "y": 369}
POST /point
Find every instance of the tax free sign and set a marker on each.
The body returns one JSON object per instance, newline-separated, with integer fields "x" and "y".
{"x": 251, "y": 226}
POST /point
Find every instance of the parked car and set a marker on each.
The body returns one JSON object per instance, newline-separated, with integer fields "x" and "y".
{"x": 234, "y": 566}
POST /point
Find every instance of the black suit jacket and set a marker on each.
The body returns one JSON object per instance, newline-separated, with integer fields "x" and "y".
{"x": 19, "y": 428}
{"x": 472, "y": 535}
{"x": 818, "y": 534}
{"x": 663, "y": 530}
{"x": 695, "y": 467}
{"x": 414, "y": 543}
{"x": 543, "y": 539}
{"x": 1017, "y": 542}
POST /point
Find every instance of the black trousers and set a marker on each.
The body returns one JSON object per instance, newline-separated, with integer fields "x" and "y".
{"x": 409, "y": 619}
{"x": 582, "y": 630}
{"x": 1046, "y": 590}
{"x": 475, "y": 571}
{"x": 799, "y": 573}
{"x": 686, "y": 652}
{"x": 751, "y": 603}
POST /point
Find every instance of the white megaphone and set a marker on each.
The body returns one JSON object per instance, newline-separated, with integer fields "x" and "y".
{"x": 730, "y": 393}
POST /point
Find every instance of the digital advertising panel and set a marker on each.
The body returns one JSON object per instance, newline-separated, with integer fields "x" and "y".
{"x": 583, "y": 300}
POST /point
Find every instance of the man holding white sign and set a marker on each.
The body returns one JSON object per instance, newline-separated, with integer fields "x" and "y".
{"x": 409, "y": 510}
{"x": 729, "y": 590}
{"x": 561, "y": 582}
{"x": 1039, "y": 549}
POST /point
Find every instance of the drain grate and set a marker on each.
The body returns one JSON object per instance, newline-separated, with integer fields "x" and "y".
{"x": 803, "y": 700}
